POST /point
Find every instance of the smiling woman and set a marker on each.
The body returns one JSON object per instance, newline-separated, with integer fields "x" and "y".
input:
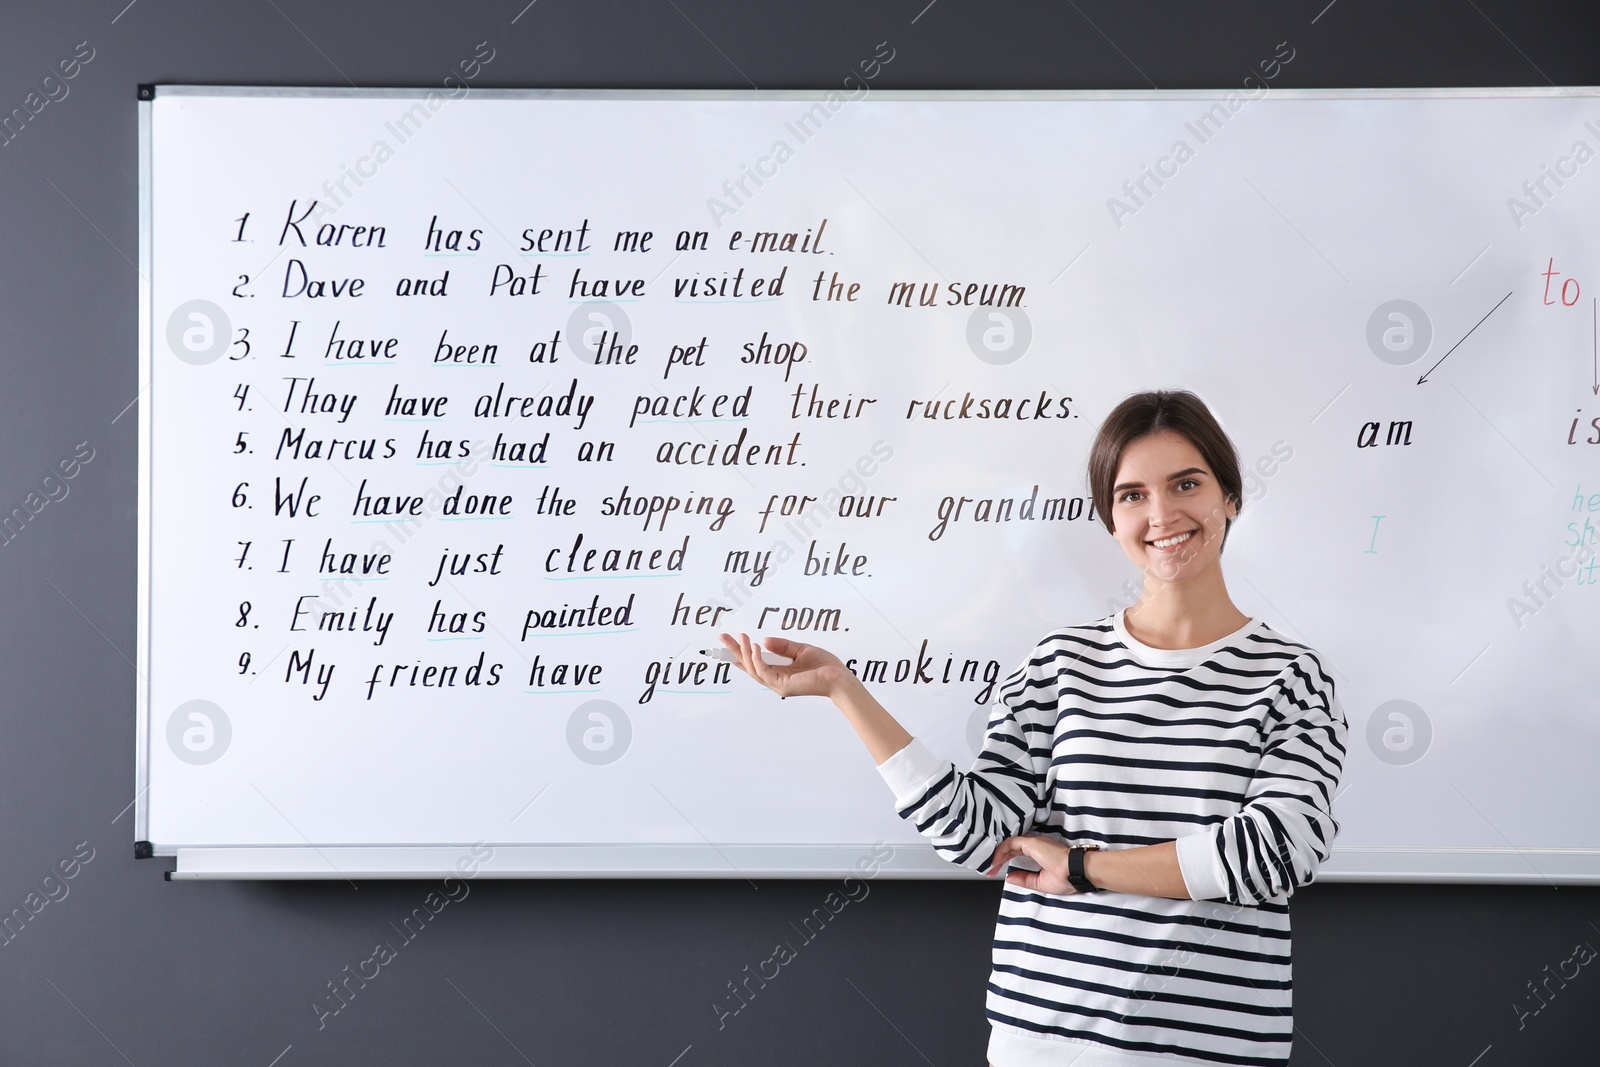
{"x": 1166, "y": 773}
{"x": 1162, "y": 470}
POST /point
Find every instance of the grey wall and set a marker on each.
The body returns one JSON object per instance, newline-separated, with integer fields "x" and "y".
{"x": 126, "y": 968}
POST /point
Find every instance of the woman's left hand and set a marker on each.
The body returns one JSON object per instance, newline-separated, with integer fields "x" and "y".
{"x": 1048, "y": 853}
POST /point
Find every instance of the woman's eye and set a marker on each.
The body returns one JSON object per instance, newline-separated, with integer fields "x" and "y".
{"x": 1131, "y": 493}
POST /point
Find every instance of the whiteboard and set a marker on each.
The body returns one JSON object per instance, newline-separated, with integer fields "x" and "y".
{"x": 365, "y": 653}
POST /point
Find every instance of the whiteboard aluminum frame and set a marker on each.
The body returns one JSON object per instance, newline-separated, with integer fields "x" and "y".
{"x": 347, "y": 92}
{"x": 1504, "y": 866}
{"x": 1420, "y": 864}
{"x": 141, "y": 777}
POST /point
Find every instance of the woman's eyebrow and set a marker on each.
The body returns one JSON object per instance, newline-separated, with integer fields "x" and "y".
{"x": 1171, "y": 478}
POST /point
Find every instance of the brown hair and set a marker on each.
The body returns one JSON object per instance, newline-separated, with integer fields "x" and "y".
{"x": 1147, "y": 413}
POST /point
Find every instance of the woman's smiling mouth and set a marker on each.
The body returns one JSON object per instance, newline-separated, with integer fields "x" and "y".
{"x": 1167, "y": 544}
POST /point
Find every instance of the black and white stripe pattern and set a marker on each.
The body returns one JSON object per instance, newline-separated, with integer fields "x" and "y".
{"x": 1234, "y": 750}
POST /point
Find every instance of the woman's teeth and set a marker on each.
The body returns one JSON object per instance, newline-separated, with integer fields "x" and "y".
{"x": 1168, "y": 542}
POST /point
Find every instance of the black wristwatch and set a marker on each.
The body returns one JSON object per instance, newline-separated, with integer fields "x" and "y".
{"x": 1079, "y": 881}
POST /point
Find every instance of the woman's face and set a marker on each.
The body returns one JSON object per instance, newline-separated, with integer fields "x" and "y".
{"x": 1163, "y": 491}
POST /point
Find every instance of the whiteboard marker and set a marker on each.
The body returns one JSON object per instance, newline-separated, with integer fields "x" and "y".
{"x": 771, "y": 658}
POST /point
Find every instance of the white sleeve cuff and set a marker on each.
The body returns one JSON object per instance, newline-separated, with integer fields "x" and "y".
{"x": 1201, "y": 866}
{"x": 910, "y": 771}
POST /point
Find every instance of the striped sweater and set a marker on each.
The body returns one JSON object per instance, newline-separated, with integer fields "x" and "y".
{"x": 1234, "y": 750}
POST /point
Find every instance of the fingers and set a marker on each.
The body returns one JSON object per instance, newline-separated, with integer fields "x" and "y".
{"x": 1031, "y": 846}
{"x": 1010, "y": 849}
{"x": 746, "y": 654}
{"x": 1007, "y": 851}
{"x": 733, "y": 646}
{"x": 1023, "y": 879}
{"x": 1046, "y": 852}
{"x": 758, "y": 667}
{"x": 771, "y": 644}
{"x": 750, "y": 660}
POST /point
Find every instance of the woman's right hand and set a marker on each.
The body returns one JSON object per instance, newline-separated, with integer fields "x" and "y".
{"x": 814, "y": 672}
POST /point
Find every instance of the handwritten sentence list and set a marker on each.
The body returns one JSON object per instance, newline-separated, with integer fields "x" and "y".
{"x": 318, "y": 453}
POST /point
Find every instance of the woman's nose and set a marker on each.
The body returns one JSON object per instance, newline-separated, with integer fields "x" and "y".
{"x": 1161, "y": 512}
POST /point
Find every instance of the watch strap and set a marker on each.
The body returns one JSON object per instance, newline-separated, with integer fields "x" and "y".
{"x": 1075, "y": 876}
